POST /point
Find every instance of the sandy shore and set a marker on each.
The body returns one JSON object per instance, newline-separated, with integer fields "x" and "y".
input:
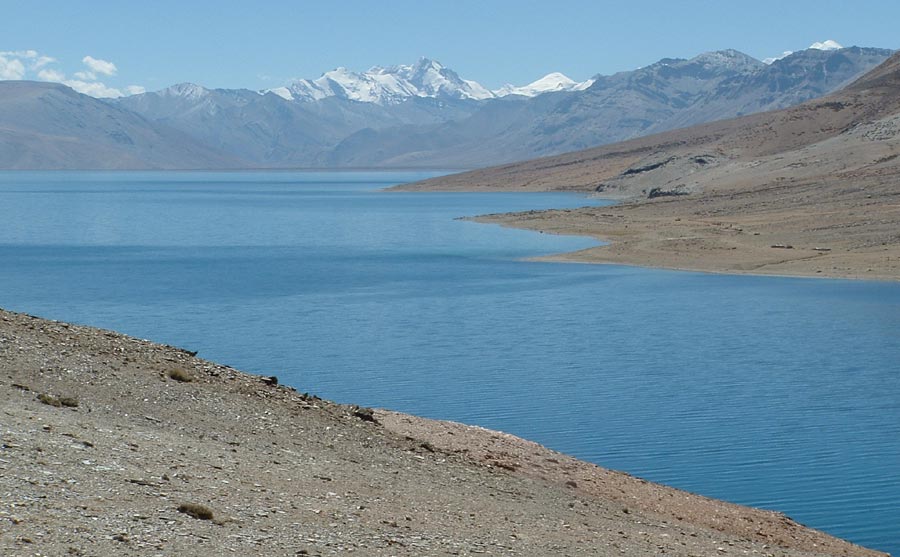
{"x": 766, "y": 230}
{"x": 812, "y": 226}
{"x": 111, "y": 445}
{"x": 822, "y": 212}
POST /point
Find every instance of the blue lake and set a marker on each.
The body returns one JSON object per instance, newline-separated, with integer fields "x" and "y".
{"x": 774, "y": 392}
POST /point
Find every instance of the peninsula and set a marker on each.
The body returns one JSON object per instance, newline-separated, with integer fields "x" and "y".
{"x": 812, "y": 190}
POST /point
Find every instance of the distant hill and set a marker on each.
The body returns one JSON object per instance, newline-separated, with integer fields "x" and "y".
{"x": 272, "y": 132}
{"x": 865, "y": 115}
{"x": 423, "y": 115}
{"x": 50, "y": 126}
{"x": 666, "y": 95}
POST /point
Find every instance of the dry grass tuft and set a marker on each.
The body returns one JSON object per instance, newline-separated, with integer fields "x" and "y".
{"x": 179, "y": 374}
{"x": 50, "y": 400}
{"x": 196, "y": 511}
{"x": 68, "y": 401}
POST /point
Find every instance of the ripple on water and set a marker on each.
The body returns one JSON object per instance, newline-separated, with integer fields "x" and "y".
{"x": 781, "y": 393}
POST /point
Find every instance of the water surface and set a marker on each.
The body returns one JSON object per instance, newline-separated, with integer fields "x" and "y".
{"x": 774, "y": 392}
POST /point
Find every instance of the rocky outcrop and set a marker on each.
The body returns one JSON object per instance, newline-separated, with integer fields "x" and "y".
{"x": 660, "y": 175}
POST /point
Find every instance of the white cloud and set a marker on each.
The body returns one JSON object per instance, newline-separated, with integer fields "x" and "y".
{"x": 42, "y": 61}
{"x": 30, "y": 64}
{"x": 51, "y": 75}
{"x": 13, "y": 63}
{"x": 93, "y": 88}
{"x": 100, "y": 66}
{"x": 20, "y": 53}
{"x": 11, "y": 68}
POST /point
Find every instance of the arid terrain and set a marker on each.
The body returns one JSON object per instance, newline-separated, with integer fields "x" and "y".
{"x": 111, "y": 445}
{"x": 812, "y": 190}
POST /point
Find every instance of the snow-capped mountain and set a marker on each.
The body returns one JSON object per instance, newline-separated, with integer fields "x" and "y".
{"x": 426, "y": 78}
{"x": 671, "y": 93}
{"x": 825, "y": 45}
{"x": 549, "y": 83}
{"x": 386, "y": 85}
{"x": 426, "y": 115}
{"x": 432, "y": 79}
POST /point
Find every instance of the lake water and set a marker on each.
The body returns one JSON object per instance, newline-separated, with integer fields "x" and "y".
{"x": 774, "y": 392}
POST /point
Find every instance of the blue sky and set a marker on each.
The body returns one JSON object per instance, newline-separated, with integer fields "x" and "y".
{"x": 153, "y": 44}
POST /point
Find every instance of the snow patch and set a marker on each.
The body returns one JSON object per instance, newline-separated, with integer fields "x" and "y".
{"x": 282, "y": 92}
{"x": 769, "y": 61}
{"x": 827, "y": 45}
{"x": 186, "y": 90}
{"x": 551, "y": 82}
{"x": 386, "y": 85}
{"x": 725, "y": 59}
{"x": 426, "y": 78}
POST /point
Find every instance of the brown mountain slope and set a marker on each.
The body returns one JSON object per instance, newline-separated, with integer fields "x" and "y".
{"x": 822, "y": 177}
{"x": 874, "y": 96}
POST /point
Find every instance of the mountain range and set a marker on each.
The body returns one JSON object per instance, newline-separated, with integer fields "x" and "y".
{"x": 420, "y": 115}
{"x": 50, "y": 126}
{"x": 426, "y": 78}
{"x": 813, "y": 189}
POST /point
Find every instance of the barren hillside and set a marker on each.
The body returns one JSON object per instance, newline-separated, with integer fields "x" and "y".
{"x": 809, "y": 190}
{"x": 111, "y": 445}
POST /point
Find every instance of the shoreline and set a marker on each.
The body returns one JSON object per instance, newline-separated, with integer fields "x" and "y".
{"x": 669, "y": 235}
{"x": 138, "y": 430}
{"x": 562, "y": 258}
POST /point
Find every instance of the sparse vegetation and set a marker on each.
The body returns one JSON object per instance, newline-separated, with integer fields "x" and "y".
{"x": 505, "y": 465}
{"x": 195, "y": 510}
{"x": 364, "y": 414}
{"x": 180, "y": 375}
{"x": 50, "y": 400}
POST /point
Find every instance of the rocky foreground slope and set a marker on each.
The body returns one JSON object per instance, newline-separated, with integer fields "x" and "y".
{"x": 809, "y": 190}
{"x": 111, "y": 445}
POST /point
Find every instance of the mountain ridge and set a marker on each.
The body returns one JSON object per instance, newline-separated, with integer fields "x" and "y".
{"x": 430, "y": 120}
{"x": 424, "y": 78}
{"x": 41, "y": 122}
{"x": 668, "y": 94}
{"x": 878, "y": 87}
{"x": 808, "y": 190}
